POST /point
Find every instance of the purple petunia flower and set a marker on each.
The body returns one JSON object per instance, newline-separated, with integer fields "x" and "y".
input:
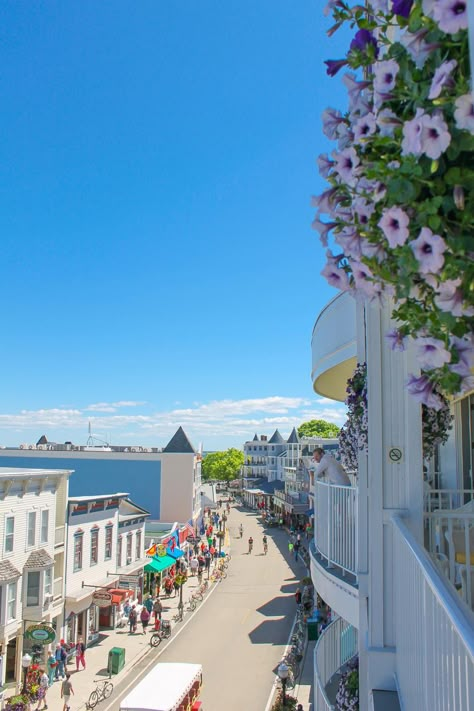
{"x": 387, "y": 122}
{"x": 364, "y": 279}
{"x": 332, "y": 118}
{"x": 362, "y": 210}
{"x": 402, "y": 7}
{"x": 428, "y": 250}
{"x": 394, "y": 224}
{"x": 464, "y": 112}
{"x": 385, "y": 75}
{"x": 373, "y": 250}
{"x": 449, "y": 297}
{"x": 354, "y": 88}
{"x": 325, "y": 202}
{"x": 364, "y": 127}
{"x": 334, "y": 275}
{"x": 422, "y": 390}
{"x": 396, "y": 341}
{"x": 431, "y": 353}
{"x": 465, "y": 350}
{"x": 425, "y": 134}
{"x": 415, "y": 45}
{"x": 325, "y": 165}
{"x": 441, "y": 78}
{"x": 323, "y": 228}
{"x": 362, "y": 40}
{"x": 350, "y": 241}
{"x": 334, "y": 65}
{"x": 346, "y": 164}
{"x": 451, "y": 15}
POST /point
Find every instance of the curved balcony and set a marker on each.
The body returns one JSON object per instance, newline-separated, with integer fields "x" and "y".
{"x": 334, "y": 551}
{"x": 334, "y": 347}
{"x": 336, "y": 646}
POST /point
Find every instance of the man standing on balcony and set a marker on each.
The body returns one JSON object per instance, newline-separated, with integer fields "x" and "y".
{"x": 326, "y": 465}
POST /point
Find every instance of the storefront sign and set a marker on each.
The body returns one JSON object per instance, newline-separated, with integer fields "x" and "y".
{"x": 101, "y": 598}
{"x": 161, "y": 550}
{"x": 192, "y": 540}
{"x": 41, "y": 633}
{"x": 129, "y": 582}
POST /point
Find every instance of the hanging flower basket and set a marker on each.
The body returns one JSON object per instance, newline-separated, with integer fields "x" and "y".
{"x": 397, "y": 219}
{"x": 347, "y": 698}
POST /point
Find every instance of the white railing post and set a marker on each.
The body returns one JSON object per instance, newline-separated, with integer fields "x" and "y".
{"x": 330, "y": 527}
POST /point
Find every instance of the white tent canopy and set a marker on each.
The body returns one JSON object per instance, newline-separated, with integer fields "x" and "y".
{"x": 163, "y": 688}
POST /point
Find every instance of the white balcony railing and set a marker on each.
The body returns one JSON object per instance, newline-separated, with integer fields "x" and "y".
{"x": 335, "y": 515}
{"x": 435, "y": 637}
{"x": 336, "y": 646}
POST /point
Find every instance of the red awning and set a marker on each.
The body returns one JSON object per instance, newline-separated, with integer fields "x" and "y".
{"x": 116, "y": 599}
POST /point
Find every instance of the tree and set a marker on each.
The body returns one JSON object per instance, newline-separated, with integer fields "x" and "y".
{"x": 222, "y": 465}
{"x": 318, "y": 428}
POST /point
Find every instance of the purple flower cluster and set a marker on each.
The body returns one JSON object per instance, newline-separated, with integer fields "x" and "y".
{"x": 347, "y": 697}
{"x": 353, "y": 436}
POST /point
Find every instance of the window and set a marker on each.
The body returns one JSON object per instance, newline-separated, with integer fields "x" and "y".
{"x": 78, "y": 551}
{"x": 119, "y": 551}
{"x": 48, "y": 581}
{"x": 33, "y": 589}
{"x": 138, "y": 546}
{"x": 94, "y": 546}
{"x": 108, "y": 542}
{"x": 9, "y": 533}
{"x": 31, "y": 536}
{"x": 129, "y": 548}
{"x": 11, "y": 602}
{"x": 44, "y": 525}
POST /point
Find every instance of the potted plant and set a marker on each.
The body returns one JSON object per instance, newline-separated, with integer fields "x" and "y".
{"x": 20, "y": 702}
{"x": 290, "y": 703}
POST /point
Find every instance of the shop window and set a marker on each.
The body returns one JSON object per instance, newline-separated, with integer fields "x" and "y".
{"x": 138, "y": 547}
{"x": 9, "y": 533}
{"x": 108, "y": 542}
{"x": 48, "y": 581}
{"x": 129, "y": 548}
{"x": 44, "y": 526}
{"x": 11, "y": 601}
{"x": 78, "y": 541}
{"x": 33, "y": 589}
{"x": 31, "y": 534}
{"x": 94, "y": 546}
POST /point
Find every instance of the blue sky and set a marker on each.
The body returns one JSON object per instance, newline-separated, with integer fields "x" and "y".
{"x": 158, "y": 263}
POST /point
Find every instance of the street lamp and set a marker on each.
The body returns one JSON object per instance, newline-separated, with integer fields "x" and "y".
{"x": 283, "y": 672}
{"x": 25, "y": 663}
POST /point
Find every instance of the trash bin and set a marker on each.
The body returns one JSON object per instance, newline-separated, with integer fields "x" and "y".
{"x": 312, "y": 623}
{"x": 116, "y": 660}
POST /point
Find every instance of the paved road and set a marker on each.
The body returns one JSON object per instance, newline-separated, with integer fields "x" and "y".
{"x": 239, "y": 635}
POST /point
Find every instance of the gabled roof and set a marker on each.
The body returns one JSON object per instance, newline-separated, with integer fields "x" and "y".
{"x": 276, "y": 438}
{"x": 255, "y": 439}
{"x": 42, "y": 440}
{"x": 179, "y": 444}
{"x": 8, "y": 571}
{"x": 39, "y": 559}
{"x": 129, "y": 510}
{"x": 293, "y": 438}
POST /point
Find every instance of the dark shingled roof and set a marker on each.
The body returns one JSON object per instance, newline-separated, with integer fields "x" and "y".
{"x": 42, "y": 440}
{"x": 179, "y": 444}
{"x": 8, "y": 571}
{"x": 293, "y": 438}
{"x": 255, "y": 439}
{"x": 39, "y": 559}
{"x": 276, "y": 438}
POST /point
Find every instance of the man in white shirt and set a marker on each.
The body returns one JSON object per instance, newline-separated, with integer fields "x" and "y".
{"x": 327, "y": 466}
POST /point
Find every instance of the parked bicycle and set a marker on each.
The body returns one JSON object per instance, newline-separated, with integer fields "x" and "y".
{"x": 163, "y": 633}
{"x": 102, "y": 691}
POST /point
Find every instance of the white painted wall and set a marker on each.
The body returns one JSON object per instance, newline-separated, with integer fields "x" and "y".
{"x": 177, "y": 483}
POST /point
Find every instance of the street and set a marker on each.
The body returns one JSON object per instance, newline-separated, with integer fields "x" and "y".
{"x": 239, "y": 634}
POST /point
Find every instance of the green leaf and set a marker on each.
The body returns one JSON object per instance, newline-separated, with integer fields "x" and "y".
{"x": 401, "y": 190}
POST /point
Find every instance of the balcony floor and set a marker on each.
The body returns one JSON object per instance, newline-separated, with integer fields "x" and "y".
{"x": 336, "y": 572}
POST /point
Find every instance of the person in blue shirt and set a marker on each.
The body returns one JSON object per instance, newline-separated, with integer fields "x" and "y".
{"x": 60, "y": 656}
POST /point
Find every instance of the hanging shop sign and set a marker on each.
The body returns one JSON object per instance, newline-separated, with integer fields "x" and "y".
{"x": 161, "y": 550}
{"x": 42, "y": 633}
{"x": 101, "y": 598}
{"x": 192, "y": 540}
{"x": 129, "y": 582}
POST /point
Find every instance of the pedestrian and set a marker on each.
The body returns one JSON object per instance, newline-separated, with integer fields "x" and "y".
{"x": 132, "y": 620}
{"x": 196, "y": 549}
{"x": 149, "y": 604}
{"x": 157, "y": 608}
{"x": 144, "y": 618}
{"x": 43, "y": 688}
{"x": 207, "y": 560}
{"x": 80, "y": 654}
{"x": 290, "y": 547}
{"x": 60, "y": 656}
{"x": 299, "y": 707}
{"x": 194, "y": 565}
{"x": 51, "y": 665}
{"x": 214, "y": 542}
{"x": 298, "y": 596}
{"x": 296, "y": 548}
{"x": 175, "y": 587}
{"x": 66, "y": 691}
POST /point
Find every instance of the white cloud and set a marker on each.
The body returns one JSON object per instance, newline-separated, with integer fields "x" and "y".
{"x": 113, "y": 406}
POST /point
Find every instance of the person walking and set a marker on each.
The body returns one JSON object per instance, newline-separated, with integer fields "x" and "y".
{"x": 80, "y": 654}
{"x": 241, "y": 530}
{"x": 157, "y": 609}
{"x": 43, "y": 689}
{"x": 265, "y": 545}
{"x": 250, "y": 545}
{"x": 290, "y": 546}
{"x": 144, "y": 618}
{"x": 132, "y": 620}
{"x": 298, "y": 596}
{"x": 194, "y": 565}
{"x": 66, "y": 691}
{"x": 296, "y": 548}
{"x": 60, "y": 656}
{"x": 51, "y": 667}
{"x": 149, "y": 604}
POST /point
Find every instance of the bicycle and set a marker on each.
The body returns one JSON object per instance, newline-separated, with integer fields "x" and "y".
{"x": 204, "y": 587}
{"x": 163, "y": 633}
{"x": 191, "y": 605}
{"x": 102, "y": 691}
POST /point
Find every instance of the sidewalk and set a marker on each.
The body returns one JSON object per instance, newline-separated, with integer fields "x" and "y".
{"x": 136, "y": 647}
{"x": 304, "y": 691}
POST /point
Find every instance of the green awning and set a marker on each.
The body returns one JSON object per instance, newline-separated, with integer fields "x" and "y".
{"x": 159, "y": 563}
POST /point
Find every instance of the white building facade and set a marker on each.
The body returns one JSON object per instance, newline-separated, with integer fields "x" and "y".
{"x": 32, "y": 558}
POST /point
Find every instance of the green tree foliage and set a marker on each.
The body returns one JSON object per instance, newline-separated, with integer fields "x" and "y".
{"x": 222, "y": 465}
{"x": 318, "y": 428}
